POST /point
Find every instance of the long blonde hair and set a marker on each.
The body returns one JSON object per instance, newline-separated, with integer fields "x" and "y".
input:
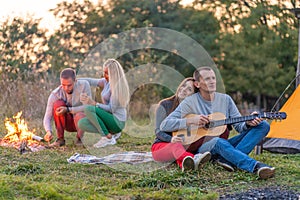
{"x": 118, "y": 82}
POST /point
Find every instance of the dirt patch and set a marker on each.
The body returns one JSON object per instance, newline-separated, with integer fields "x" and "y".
{"x": 269, "y": 193}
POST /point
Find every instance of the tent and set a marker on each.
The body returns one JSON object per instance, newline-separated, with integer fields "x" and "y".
{"x": 284, "y": 136}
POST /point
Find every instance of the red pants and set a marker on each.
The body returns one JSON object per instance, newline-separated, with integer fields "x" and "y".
{"x": 169, "y": 152}
{"x": 68, "y": 121}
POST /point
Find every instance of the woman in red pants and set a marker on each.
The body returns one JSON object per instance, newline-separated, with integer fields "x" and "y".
{"x": 168, "y": 148}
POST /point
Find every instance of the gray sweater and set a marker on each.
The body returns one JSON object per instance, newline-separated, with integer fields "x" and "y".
{"x": 195, "y": 104}
{"x": 107, "y": 102}
{"x": 162, "y": 111}
{"x": 72, "y": 100}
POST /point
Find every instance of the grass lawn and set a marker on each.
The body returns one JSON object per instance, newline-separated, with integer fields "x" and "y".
{"x": 47, "y": 175}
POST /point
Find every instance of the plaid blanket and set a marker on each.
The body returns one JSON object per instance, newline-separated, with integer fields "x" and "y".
{"x": 129, "y": 157}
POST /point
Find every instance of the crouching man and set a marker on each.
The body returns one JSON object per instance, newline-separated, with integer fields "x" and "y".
{"x": 65, "y": 108}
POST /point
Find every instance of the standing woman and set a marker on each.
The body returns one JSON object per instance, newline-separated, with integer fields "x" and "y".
{"x": 168, "y": 148}
{"x": 107, "y": 118}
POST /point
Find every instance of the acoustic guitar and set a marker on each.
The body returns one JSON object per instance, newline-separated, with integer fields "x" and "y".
{"x": 218, "y": 124}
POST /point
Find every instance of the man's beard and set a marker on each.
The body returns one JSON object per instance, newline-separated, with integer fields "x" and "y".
{"x": 70, "y": 92}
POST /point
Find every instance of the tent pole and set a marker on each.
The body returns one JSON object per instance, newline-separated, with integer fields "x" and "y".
{"x": 287, "y": 87}
{"x": 296, "y": 11}
{"x": 298, "y": 64}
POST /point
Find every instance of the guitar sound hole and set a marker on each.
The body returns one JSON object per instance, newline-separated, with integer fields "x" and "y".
{"x": 207, "y": 125}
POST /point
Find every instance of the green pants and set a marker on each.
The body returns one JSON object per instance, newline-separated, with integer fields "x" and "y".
{"x": 100, "y": 121}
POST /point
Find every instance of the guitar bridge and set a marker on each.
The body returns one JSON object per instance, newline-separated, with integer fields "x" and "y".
{"x": 188, "y": 131}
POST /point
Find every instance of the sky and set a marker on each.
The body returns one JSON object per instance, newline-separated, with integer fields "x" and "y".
{"x": 27, "y": 8}
{"x": 37, "y": 9}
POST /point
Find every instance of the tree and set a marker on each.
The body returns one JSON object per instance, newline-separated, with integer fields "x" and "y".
{"x": 70, "y": 44}
{"x": 23, "y": 47}
{"x": 258, "y": 46}
{"x": 86, "y": 26}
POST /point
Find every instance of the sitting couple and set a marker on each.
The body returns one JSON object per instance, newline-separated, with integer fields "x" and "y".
{"x": 229, "y": 153}
{"x": 73, "y": 109}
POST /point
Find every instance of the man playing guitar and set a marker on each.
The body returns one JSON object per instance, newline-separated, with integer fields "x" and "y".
{"x": 229, "y": 153}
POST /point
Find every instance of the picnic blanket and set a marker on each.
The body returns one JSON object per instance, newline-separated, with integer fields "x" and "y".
{"x": 130, "y": 157}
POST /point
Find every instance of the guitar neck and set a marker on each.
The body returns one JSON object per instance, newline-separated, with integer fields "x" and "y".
{"x": 216, "y": 125}
{"x": 230, "y": 121}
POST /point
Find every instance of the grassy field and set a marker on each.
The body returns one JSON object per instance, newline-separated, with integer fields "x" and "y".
{"x": 47, "y": 175}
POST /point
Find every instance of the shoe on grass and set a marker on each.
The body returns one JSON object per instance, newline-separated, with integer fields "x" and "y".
{"x": 200, "y": 159}
{"x": 117, "y": 135}
{"x": 188, "y": 164}
{"x": 58, "y": 143}
{"x": 104, "y": 141}
{"x": 264, "y": 171}
{"x": 226, "y": 165}
{"x": 78, "y": 142}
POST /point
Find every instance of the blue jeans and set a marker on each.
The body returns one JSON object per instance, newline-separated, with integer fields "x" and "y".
{"x": 236, "y": 149}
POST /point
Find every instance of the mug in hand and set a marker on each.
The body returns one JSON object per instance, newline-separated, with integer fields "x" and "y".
{"x": 83, "y": 98}
{"x": 181, "y": 136}
{"x": 83, "y": 94}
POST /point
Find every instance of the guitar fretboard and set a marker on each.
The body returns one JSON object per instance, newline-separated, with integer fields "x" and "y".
{"x": 230, "y": 121}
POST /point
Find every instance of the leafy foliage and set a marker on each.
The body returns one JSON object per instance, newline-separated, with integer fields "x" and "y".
{"x": 252, "y": 54}
{"x": 23, "y": 48}
{"x": 253, "y": 43}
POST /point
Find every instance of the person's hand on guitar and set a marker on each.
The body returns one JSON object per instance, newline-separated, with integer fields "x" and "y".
{"x": 197, "y": 120}
{"x": 177, "y": 139}
{"x": 255, "y": 121}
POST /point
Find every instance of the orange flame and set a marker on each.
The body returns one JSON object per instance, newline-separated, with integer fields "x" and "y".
{"x": 18, "y": 130}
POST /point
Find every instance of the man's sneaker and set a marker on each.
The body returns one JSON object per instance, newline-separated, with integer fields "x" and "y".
{"x": 264, "y": 171}
{"x": 188, "y": 164}
{"x": 78, "y": 142}
{"x": 200, "y": 159}
{"x": 58, "y": 143}
{"x": 104, "y": 141}
{"x": 117, "y": 135}
{"x": 227, "y": 166}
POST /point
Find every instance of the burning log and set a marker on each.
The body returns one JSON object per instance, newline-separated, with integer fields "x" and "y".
{"x": 20, "y": 137}
{"x": 37, "y": 138}
{"x": 23, "y": 146}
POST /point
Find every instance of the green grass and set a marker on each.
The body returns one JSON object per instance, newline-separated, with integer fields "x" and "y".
{"x": 47, "y": 175}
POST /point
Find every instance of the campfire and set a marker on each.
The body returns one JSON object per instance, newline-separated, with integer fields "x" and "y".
{"x": 19, "y": 137}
